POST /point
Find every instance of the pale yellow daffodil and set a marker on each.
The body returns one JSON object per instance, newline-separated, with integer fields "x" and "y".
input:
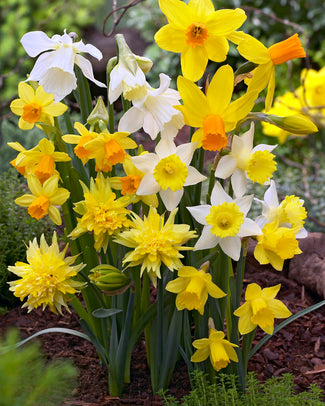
{"x": 213, "y": 113}
{"x": 260, "y": 309}
{"x": 198, "y": 32}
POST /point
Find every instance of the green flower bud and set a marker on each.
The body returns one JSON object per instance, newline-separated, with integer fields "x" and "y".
{"x": 99, "y": 113}
{"x": 108, "y": 278}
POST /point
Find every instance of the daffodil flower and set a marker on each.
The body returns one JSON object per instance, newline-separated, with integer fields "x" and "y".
{"x": 46, "y": 278}
{"x": 213, "y": 113}
{"x": 155, "y": 112}
{"x": 260, "y": 309}
{"x": 192, "y": 287}
{"x": 254, "y": 51}
{"x": 276, "y": 244}
{"x": 245, "y": 162}
{"x": 54, "y": 69}
{"x": 220, "y": 351}
{"x": 198, "y": 32}
{"x": 224, "y": 222}
{"x": 289, "y": 213}
{"x": 155, "y": 242}
{"x": 44, "y": 198}
{"x": 167, "y": 171}
{"x": 35, "y": 106}
{"x": 42, "y": 158}
{"x": 101, "y": 212}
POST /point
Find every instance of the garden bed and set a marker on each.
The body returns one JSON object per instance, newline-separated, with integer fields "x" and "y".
{"x": 298, "y": 349}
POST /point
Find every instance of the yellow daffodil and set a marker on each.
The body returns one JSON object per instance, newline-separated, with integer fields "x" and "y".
{"x": 193, "y": 287}
{"x": 129, "y": 184}
{"x": 198, "y": 32}
{"x": 44, "y": 198}
{"x": 24, "y": 170}
{"x": 101, "y": 213}
{"x": 314, "y": 87}
{"x": 245, "y": 162}
{"x": 260, "y": 309}
{"x": 35, "y": 106}
{"x": 42, "y": 158}
{"x": 253, "y": 50}
{"x": 85, "y": 136}
{"x": 276, "y": 244}
{"x": 46, "y": 278}
{"x": 154, "y": 242}
{"x": 221, "y": 351}
{"x": 109, "y": 149}
{"x": 213, "y": 113}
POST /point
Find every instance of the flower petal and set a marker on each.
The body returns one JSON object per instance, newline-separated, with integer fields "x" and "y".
{"x": 226, "y": 167}
{"x": 35, "y": 42}
{"x": 170, "y": 198}
{"x": 194, "y": 62}
{"x": 231, "y": 246}
{"x": 131, "y": 121}
{"x": 171, "y": 38}
{"x": 87, "y": 69}
{"x": 200, "y": 213}
{"x": 220, "y": 89}
{"x": 207, "y": 240}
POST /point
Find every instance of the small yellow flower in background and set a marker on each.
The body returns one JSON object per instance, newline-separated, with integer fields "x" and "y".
{"x": 198, "y": 32}
{"x": 129, "y": 184}
{"x": 44, "y": 198}
{"x": 154, "y": 242}
{"x": 101, "y": 212}
{"x": 85, "y": 136}
{"x": 46, "y": 278}
{"x": 260, "y": 309}
{"x": 193, "y": 287}
{"x": 213, "y": 113}
{"x": 109, "y": 149}
{"x": 276, "y": 244}
{"x": 221, "y": 351}
{"x": 314, "y": 83}
{"x": 35, "y": 106}
{"x": 42, "y": 159}
{"x": 254, "y": 51}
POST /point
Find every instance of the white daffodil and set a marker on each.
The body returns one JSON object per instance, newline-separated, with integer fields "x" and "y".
{"x": 167, "y": 171}
{"x": 245, "y": 162}
{"x": 224, "y": 222}
{"x": 289, "y": 213}
{"x": 155, "y": 112}
{"x": 54, "y": 69}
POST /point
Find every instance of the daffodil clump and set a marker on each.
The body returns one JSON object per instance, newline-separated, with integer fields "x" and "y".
{"x": 141, "y": 206}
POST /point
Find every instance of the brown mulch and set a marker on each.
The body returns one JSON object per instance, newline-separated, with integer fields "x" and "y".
{"x": 298, "y": 349}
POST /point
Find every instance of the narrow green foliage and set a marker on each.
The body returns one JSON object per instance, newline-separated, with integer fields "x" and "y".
{"x": 275, "y": 391}
{"x": 27, "y": 380}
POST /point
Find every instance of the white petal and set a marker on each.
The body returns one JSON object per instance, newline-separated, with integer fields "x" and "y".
{"x": 88, "y": 48}
{"x": 186, "y": 151}
{"x": 35, "y": 42}
{"x": 131, "y": 121}
{"x": 239, "y": 182}
{"x": 87, "y": 69}
{"x": 41, "y": 65}
{"x": 231, "y": 246}
{"x": 63, "y": 58}
{"x": 58, "y": 83}
{"x": 302, "y": 233}
{"x": 264, "y": 147}
{"x": 170, "y": 198}
{"x": 248, "y": 228}
{"x": 164, "y": 85}
{"x": 150, "y": 125}
{"x": 261, "y": 221}
{"x": 207, "y": 240}
{"x": 271, "y": 195}
{"x": 193, "y": 177}
{"x": 248, "y": 137}
{"x": 146, "y": 162}
{"x": 200, "y": 213}
{"x": 226, "y": 167}
{"x": 244, "y": 203}
{"x": 219, "y": 196}
{"x": 148, "y": 185}
{"x": 165, "y": 147}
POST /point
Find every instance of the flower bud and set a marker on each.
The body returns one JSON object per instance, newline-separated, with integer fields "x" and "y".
{"x": 295, "y": 124}
{"x": 108, "y": 278}
{"x": 99, "y": 113}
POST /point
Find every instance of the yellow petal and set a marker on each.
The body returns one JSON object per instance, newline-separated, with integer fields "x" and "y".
{"x": 24, "y": 125}
{"x": 56, "y": 109}
{"x": 245, "y": 325}
{"x": 177, "y": 285}
{"x": 261, "y": 77}
{"x": 194, "y": 62}
{"x": 223, "y": 22}
{"x": 17, "y": 106}
{"x": 253, "y": 50}
{"x": 271, "y": 292}
{"x": 279, "y": 309}
{"x": 217, "y": 48}
{"x": 42, "y": 97}
{"x": 252, "y": 291}
{"x": 195, "y": 106}
{"x": 238, "y": 110}
{"x": 54, "y": 215}
{"x": 198, "y": 137}
{"x": 177, "y": 12}
{"x": 201, "y": 8}
{"x": 270, "y": 91}
{"x": 214, "y": 290}
{"x": 201, "y": 354}
{"x": 220, "y": 89}
{"x": 171, "y": 39}
{"x": 26, "y": 92}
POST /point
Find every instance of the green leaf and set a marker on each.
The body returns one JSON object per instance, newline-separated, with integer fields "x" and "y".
{"x": 102, "y": 313}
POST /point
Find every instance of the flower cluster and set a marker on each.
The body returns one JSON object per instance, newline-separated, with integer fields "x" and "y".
{"x": 125, "y": 206}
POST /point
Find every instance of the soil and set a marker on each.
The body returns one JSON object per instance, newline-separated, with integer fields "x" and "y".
{"x": 298, "y": 349}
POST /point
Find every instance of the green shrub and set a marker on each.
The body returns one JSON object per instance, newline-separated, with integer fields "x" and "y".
{"x": 27, "y": 380}
{"x": 274, "y": 392}
{"x": 16, "y": 229}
